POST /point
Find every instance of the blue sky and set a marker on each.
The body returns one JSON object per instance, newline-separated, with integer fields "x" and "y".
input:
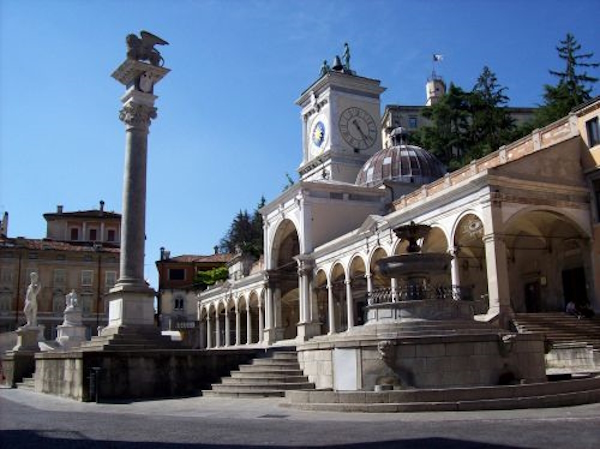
{"x": 228, "y": 130}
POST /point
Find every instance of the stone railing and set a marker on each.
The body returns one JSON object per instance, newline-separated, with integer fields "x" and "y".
{"x": 541, "y": 138}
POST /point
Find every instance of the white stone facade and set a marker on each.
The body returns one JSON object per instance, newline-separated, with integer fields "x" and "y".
{"x": 519, "y": 222}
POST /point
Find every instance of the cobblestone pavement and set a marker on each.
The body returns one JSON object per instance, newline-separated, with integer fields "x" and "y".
{"x": 32, "y": 420}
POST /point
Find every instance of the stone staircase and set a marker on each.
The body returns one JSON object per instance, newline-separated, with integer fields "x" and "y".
{"x": 574, "y": 347}
{"x": 131, "y": 339}
{"x": 559, "y": 327}
{"x": 28, "y": 383}
{"x": 264, "y": 377}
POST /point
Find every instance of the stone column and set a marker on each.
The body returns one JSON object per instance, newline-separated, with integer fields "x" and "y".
{"x": 217, "y": 330}
{"x": 394, "y": 289}
{"x": 131, "y": 299}
{"x": 227, "y": 325}
{"x": 349, "y": 303}
{"x": 330, "y": 309}
{"x": 248, "y": 325}
{"x": 261, "y": 323}
{"x": 237, "y": 325}
{"x": 208, "y": 331}
{"x": 455, "y": 269}
{"x": 368, "y": 276}
{"x": 498, "y": 283}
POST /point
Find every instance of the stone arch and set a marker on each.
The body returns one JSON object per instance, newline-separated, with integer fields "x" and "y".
{"x": 357, "y": 271}
{"x": 284, "y": 247}
{"x": 377, "y": 280}
{"x": 321, "y": 297}
{"x": 470, "y": 259}
{"x": 337, "y": 278}
{"x": 254, "y": 310}
{"x": 549, "y": 261}
{"x": 437, "y": 242}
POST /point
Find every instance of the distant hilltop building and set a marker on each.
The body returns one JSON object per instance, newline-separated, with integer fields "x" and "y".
{"x": 411, "y": 119}
{"x": 80, "y": 252}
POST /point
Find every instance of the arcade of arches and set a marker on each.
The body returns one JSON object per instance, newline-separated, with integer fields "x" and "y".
{"x": 543, "y": 254}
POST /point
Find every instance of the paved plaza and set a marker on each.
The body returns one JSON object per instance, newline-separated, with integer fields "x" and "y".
{"x": 32, "y": 420}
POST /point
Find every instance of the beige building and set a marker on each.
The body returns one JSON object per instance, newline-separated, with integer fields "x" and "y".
{"x": 411, "y": 119}
{"x": 522, "y": 224}
{"x": 80, "y": 252}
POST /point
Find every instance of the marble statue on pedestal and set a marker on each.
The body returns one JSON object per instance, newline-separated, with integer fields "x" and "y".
{"x": 31, "y": 306}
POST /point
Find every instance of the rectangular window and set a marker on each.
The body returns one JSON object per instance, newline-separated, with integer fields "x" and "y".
{"x": 86, "y": 303}
{"x": 60, "y": 276}
{"x": 176, "y": 274}
{"x": 74, "y": 234}
{"x": 111, "y": 235}
{"x": 412, "y": 122}
{"x": 110, "y": 279}
{"x": 93, "y": 235}
{"x": 593, "y": 132}
{"x": 6, "y": 276}
{"x": 87, "y": 278}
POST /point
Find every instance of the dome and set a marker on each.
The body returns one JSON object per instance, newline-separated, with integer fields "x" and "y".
{"x": 400, "y": 163}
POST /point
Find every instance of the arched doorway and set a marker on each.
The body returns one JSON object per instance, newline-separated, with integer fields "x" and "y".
{"x": 548, "y": 262}
{"x": 321, "y": 297}
{"x": 283, "y": 276}
{"x": 469, "y": 262}
{"x": 338, "y": 289}
{"x": 358, "y": 284}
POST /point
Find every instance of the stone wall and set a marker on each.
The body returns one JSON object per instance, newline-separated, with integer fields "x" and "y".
{"x": 135, "y": 375}
{"x": 426, "y": 362}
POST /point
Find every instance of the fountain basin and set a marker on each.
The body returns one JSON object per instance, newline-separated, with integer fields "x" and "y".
{"x": 414, "y": 264}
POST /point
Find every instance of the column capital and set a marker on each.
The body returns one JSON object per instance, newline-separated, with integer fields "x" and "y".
{"x": 136, "y": 115}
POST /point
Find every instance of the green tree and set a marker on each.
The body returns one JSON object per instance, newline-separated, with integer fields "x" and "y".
{"x": 447, "y": 136}
{"x": 206, "y": 278}
{"x": 491, "y": 123}
{"x": 574, "y": 84}
{"x": 245, "y": 233}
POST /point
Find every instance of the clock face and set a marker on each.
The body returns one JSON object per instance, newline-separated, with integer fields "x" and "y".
{"x": 317, "y": 136}
{"x": 358, "y": 128}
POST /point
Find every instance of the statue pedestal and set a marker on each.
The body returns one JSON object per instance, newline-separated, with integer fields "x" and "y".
{"x": 130, "y": 306}
{"x": 71, "y": 333}
{"x": 27, "y": 339}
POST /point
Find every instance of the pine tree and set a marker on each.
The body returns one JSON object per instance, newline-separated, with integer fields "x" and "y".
{"x": 447, "y": 136}
{"x": 574, "y": 84}
{"x": 245, "y": 233}
{"x": 491, "y": 123}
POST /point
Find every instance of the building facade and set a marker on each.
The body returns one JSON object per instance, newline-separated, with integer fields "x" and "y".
{"x": 80, "y": 252}
{"x": 177, "y": 304}
{"x": 521, "y": 224}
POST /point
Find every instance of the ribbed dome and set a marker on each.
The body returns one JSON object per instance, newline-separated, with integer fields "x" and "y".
{"x": 401, "y": 163}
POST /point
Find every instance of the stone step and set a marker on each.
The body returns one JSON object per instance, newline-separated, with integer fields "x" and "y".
{"x": 285, "y": 355}
{"x": 259, "y": 387}
{"x": 264, "y": 377}
{"x": 266, "y": 374}
{"x": 241, "y": 393}
{"x": 549, "y": 394}
{"x": 28, "y": 383}
{"x": 263, "y": 369}
{"x": 264, "y": 380}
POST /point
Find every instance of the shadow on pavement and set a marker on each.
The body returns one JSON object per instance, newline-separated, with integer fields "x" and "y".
{"x": 25, "y": 439}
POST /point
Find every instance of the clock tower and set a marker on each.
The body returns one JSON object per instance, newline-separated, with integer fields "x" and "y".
{"x": 341, "y": 125}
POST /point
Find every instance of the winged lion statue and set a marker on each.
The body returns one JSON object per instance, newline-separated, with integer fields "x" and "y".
{"x": 143, "y": 49}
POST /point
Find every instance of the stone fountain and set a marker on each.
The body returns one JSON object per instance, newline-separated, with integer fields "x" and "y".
{"x": 413, "y": 296}
{"x": 420, "y": 334}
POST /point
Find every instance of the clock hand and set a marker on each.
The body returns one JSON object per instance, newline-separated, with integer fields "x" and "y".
{"x": 355, "y": 123}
